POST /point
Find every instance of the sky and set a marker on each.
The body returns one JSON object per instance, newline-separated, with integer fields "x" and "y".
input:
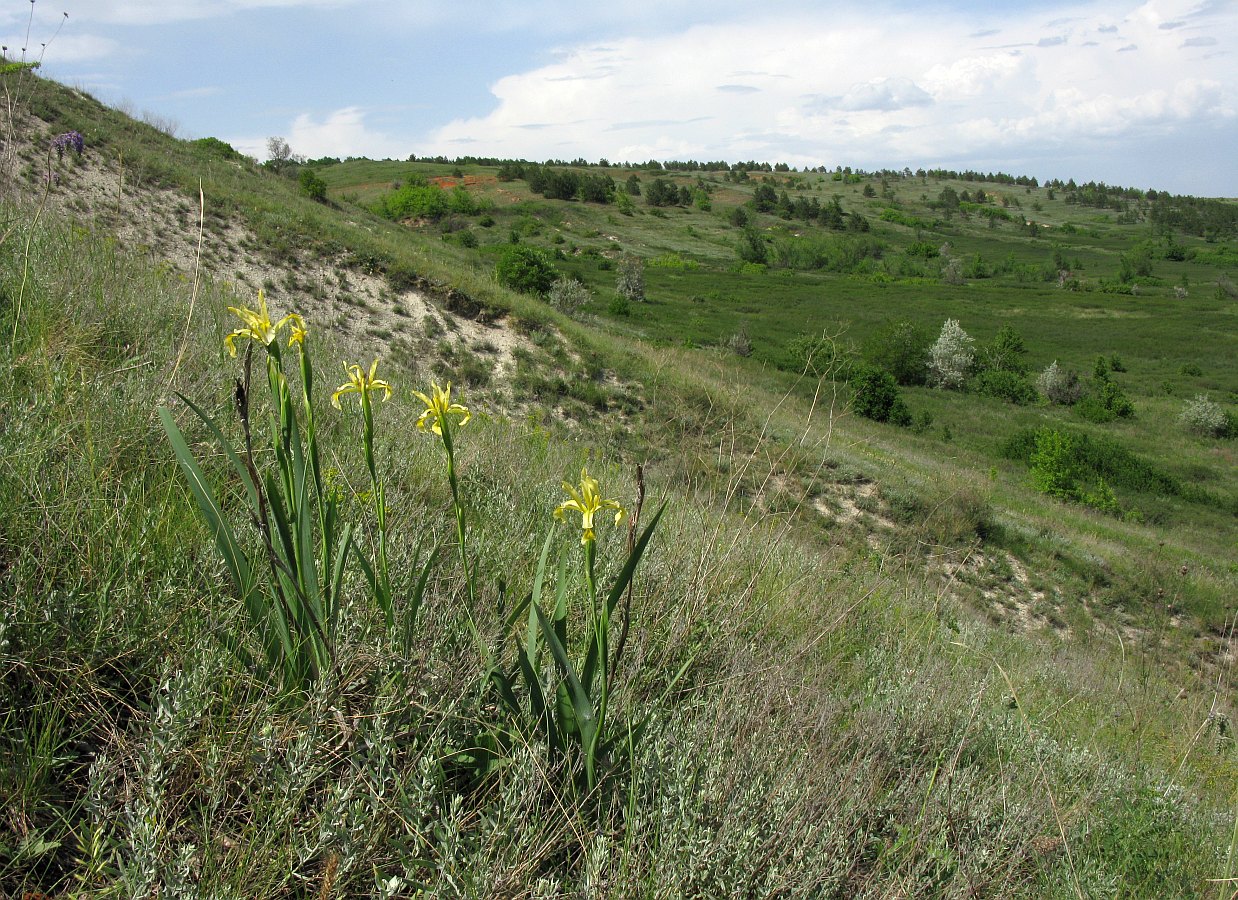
{"x": 1139, "y": 94}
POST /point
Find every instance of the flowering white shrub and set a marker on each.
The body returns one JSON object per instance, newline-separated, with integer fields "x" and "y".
{"x": 1059, "y": 385}
{"x": 951, "y": 358}
{"x": 568, "y": 295}
{"x": 1203, "y": 416}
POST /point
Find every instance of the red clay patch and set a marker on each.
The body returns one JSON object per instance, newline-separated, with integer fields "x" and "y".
{"x": 447, "y": 181}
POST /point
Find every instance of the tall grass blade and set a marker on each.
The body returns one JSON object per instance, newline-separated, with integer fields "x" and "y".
{"x": 225, "y": 540}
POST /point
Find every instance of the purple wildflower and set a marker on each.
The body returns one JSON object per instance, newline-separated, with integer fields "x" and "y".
{"x": 70, "y": 140}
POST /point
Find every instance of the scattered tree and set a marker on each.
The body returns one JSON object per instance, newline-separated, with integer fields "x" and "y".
{"x": 739, "y": 343}
{"x": 312, "y": 185}
{"x": 568, "y": 295}
{"x": 752, "y": 246}
{"x": 1106, "y": 400}
{"x": 280, "y": 156}
{"x": 1205, "y": 417}
{"x": 951, "y": 357}
{"x": 630, "y": 279}
{"x": 902, "y": 349}
{"x": 1059, "y": 385}
{"x": 874, "y": 395}
{"x": 525, "y": 269}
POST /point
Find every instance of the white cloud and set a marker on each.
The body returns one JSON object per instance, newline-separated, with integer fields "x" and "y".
{"x": 975, "y": 75}
{"x": 901, "y": 88}
{"x": 342, "y": 133}
{"x": 884, "y": 94}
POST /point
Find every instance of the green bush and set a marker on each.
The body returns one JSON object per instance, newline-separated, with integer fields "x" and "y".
{"x": 414, "y": 200}
{"x": 902, "y": 349}
{"x": 215, "y": 147}
{"x": 1104, "y": 403}
{"x": 1054, "y": 467}
{"x": 819, "y": 356}
{"x": 461, "y": 201}
{"x": 1094, "y": 461}
{"x": 1006, "y": 353}
{"x": 1004, "y": 385}
{"x": 526, "y": 270}
{"x": 874, "y": 395}
{"x": 312, "y": 185}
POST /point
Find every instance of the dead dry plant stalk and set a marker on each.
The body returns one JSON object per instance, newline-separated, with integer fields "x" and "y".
{"x": 25, "y": 268}
{"x": 193, "y": 295}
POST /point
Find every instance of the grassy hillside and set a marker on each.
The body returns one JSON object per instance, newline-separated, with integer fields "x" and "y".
{"x": 855, "y": 660}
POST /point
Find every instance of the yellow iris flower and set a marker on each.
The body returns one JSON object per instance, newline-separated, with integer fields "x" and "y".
{"x": 587, "y": 501}
{"x": 361, "y": 383}
{"x": 258, "y": 325}
{"x": 438, "y": 406}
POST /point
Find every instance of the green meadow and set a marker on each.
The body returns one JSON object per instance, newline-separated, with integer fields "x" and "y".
{"x": 651, "y": 605}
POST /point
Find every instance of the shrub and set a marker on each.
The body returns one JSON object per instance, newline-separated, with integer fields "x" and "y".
{"x": 900, "y": 415}
{"x": 215, "y": 147}
{"x": 568, "y": 295}
{"x": 1005, "y": 385}
{"x": 674, "y": 261}
{"x": 951, "y": 357}
{"x": 1006, "y": 353}
{"x": 525, "y": 269}
{"x": 1059, "y": 469}
{"x": 902, "y": 349}
{"x": 1059, "y": 385}
{"x": 414, "y": 200}
{"x": 739, "y": 343}
{"x": 1054, "y": 468}
{"x": 630, "y": 279}
{"x": 1102, "y": 498}
{"x": 1205, "y": 417}
{"x": 874, "y": 394}
{"x": 819, "y": 356}
{"x": 312, "y": 185}
{"x": 461, "y": 201}
{"x": 752, "y": 247}
{"x": 1105, "y": 402}
{"x": 1102, "y": 459}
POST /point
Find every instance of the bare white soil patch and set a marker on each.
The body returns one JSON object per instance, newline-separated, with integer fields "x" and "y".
{"x": 361, "y": 309}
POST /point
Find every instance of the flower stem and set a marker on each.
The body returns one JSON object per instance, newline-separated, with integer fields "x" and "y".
{"x": 459, "y": 510}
